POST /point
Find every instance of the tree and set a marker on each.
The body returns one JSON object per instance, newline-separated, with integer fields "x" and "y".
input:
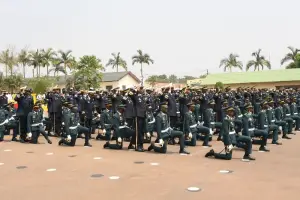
{"x": 295, "y": 63}
{"x": 13, "y": 82}
{"x": 47, "y": 57}
{"x": 141, "y": 59}
{"x": 231, "y": 62}
{"x": 173, "y": 78}
{"x": 219, "y": 85}
{"x": 57, "y": 67}
{"x": 36, "y": 61}
{"x": 117, "y": 61}
{"x": 4, "y": 59}
{"x": 259, "y": 61}
{"x": 152, "y": 80}
{"x": 40, "y": 85}
{"x": 66, "y": 59}
{"x": 88, "y": 72}
{"x": 24, "y": 59}
{"x": 290, "y": 56}
{"x": 9, "y": 59}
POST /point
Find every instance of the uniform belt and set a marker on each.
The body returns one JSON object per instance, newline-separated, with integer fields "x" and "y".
{"x": 265, "y": 125}
{"x": 2, "y": 123}
{"x": 166, "y": 130}
{"x": 288, "y": 114}
{"x": 240, "y": 116}
{"x": 121, "y": 127}
{"x": 231, "y": 132}
{"x": 72, "y": 127}
{"x": 295, "y": 113}
{"x": 152, "y": 122}
{"x": 273, "y": 120}
{"x": 193, "y": 126}
{"x": 212, "y": 122}
{"x": 37, "y": 124}
{"x": 178, "y": 112}
{"x": 251, "y": 129}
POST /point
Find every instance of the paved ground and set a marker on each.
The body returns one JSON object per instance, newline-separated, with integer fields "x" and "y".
{"x": 274, "y": 175}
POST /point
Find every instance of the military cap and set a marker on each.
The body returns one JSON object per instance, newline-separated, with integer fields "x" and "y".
{"x": 56, "y": 88}
{"x": 190, "y": 104}
{"x": 248, "y": 106}
{"x": 164, "y": 103}
{"x": 229, "y": 108}
{"x": 122, "y": 106}
{"x": 204, "y": 88}
{"x": 70, "y": 105}
{"x": 108, "y": 104}
{"x": 264, "y": 103}
{"x": 271, "y": 101}
{"x": 211, "y": 102}
{"x": 36, "y": 106}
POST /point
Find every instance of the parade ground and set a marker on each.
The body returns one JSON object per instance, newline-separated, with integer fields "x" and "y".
{"x": 51, "y": 172}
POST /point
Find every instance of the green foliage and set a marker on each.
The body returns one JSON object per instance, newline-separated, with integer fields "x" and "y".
{"x": 142, "y": 59}
{"x": 231, "y": 62}
{"x": 295, "y": 63}
{"x": 219, "y": 85}
{"x": 117, "y": 62}
{"x": 171, "y": 79}
{"x": 87, "y": 73}
{"x": 258, "y": 62}
{"x": 40, "y": 85}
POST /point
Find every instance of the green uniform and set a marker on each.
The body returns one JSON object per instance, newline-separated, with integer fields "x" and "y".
{"x": 270, "y": 114}
{"x": 3, "y": 121}
{"x": 295, "y": 116}
{"x": 35, "y": 127}
{"x": 105, "y": 124}
{"x": 287, "y": 117}
{"x": 280, "y": 122}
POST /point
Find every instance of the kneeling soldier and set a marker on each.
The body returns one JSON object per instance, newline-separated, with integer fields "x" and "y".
{"x": 165, "y": 132}
{"x": 121, "y": 130}
{"x": 230, "y": 139}
{"x": 73, "y": 128}
{"x": 35, "y": 126}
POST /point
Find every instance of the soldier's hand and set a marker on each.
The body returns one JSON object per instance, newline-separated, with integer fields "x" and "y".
{"x": 103, "y": 131}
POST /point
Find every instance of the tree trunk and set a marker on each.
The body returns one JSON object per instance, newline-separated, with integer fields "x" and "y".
{"x": 142, "y": 75}
{"x": 117, "y": 68}
{"x": 65, "y": 71}
{"x": 24, "y": 71}
{"x": 6, "y": 71}
{"x": 47, "y": 70}
{"x": 33, "y": 72}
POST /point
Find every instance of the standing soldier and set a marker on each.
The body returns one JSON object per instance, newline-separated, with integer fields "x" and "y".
{"x": 25, "y": 106}
{"x": 12, "y": 122}
{"x": 3, "y": 98}
{"x": 129, "y": 112}
{"x": 89, "y": 109}
{"x": 3, "y": 121}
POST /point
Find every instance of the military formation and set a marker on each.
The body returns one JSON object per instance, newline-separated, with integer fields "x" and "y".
{"x": 137, "y": 116}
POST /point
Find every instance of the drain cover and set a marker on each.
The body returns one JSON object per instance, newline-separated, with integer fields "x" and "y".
{"x": 139, "y": 162}
{"x": 21, "y": 167}
{"x": 97, "y": 175}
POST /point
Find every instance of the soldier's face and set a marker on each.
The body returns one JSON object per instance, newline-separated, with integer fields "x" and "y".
{"x": 231, "y": 113}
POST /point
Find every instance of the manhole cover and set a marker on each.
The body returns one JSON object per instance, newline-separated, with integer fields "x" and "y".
{"x": 72, "y": 156}
{"x": 97, "y": 175}
{"x": 21, "y": 167}
{"x": 226, "y": 171}
{"x": 139, "y": 162}
{"x": 194, "y": 189}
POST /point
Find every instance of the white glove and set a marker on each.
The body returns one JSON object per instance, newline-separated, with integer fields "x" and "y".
{"x": 198, "y": 123}
{"x": 78, "y": 124}
{"x": 11, "y": 119}
{"x": 190, "y": 136}
{"x": 29, "y": 135}
{"x": 280, "y": 128}
{"x": 63, "y": 123}
{"x": 211, "y": 131}
{"x": 68, "y": 138}
{"x": 6, "y": 121}
{"x": 161, "y": 142}
{"x": 229, "y": 148}
{"x": 103, "y": 131}
{"x": 112, "y": 131}
{"x": 125, "y": 123}
{"x": 148, "y": 135}
{"x": 98, "y": 115}
{"x": 119, "y": 139}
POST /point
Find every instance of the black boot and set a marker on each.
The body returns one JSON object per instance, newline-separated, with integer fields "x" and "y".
{"x": 150, "y": 147}
{"x": 263, "y": 148}
{"x": 15, "y": 139}
{"x": 248, "y": 157}
{"x": 210, "y": 153}
{"x": 183, "y": 151}
{"x": 286, "y": 137}
{"x": 61, "y": 142}
{"x": 87, "y": 145}
{"x": 131, "y": 147}
{"x": 106, "y": 145}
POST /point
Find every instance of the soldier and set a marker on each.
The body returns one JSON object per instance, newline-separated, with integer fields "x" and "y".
{"x": 150, "y": 122}
{"x": 191, "y": 129}
{"x": 105, "y": 124}
{"x": 89, "y": 109}
{"x": 287, "y": 115}
{"x": 249, "y": 129}
{"x": 73, "y": 128}
{"x": 172, "y": 109}
{"x": 271, "y": 122}
{"x": 279, "y": 119}
{"x": 294, "y": 113}
{"x": 55, "y": 110}
{"x": 25, "y": 106}
{"x": 3, "y": 121}
{"x": 3, "y": 98}
{"x": 35, "y": 126}
{"x": 230, "y": 140}
{"x": 165, "y": 132}
{"x": 13, "y": 123}
{"x": 129, "y": 112}
{"x": 121, "y": 130}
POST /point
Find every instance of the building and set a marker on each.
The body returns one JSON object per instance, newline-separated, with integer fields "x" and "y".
{"x": 110, "y": 80}
{"x": 158, "y": 86}
{"x": 123, "y": 80}
{"x": 272, "y": 79}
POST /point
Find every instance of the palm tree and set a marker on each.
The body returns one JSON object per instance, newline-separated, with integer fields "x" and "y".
{"x": 67, "y": 59}
{"x": 36, "y": 61}
{"x": 4, "y": 59}
{"x": 231, "y": 62}
{"x": 57, "y": 67}
{"x": 290, "y": 56}
{"x": 259, "y": 61}
{"x": 47, "y": 57}
{"x": 141, "y": 59}
{"x": 24, "y": 59}
{"x": 117, "y": 61}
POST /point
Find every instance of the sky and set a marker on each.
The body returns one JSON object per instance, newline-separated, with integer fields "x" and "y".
{"x": 182, "y": 37}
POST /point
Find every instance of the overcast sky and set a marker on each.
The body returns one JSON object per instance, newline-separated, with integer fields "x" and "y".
{"x": 183, "y": 37}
